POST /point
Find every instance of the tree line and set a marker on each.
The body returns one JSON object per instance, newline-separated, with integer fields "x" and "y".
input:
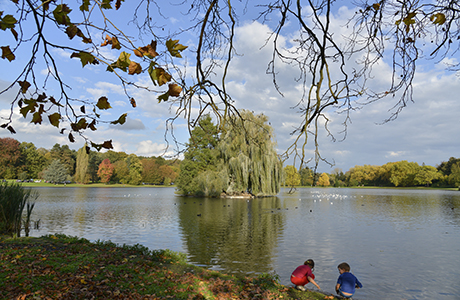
{"x": 24, "y": 161}
{"x": 392, "y": 174}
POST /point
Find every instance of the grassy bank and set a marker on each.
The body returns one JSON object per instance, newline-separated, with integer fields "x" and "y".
{"x": 62, "y": 267}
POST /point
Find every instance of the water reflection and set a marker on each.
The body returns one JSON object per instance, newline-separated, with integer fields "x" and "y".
{"x": 402, "y": 244}
{"x": 235, "y": 236}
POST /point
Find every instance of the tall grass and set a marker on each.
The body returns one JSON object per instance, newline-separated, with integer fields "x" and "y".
{"x": 13, "y": 199}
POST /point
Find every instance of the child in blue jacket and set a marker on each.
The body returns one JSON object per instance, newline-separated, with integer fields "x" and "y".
{"x": 347, "y": 282}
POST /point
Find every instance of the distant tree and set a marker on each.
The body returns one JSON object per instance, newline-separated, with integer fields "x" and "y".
{"x": 323, "y": 180}
{"x": 32, "y": 160}
{"x": 56, "y": 172}
{"x": 366, "y": 174}
{"x": 151, "y": 171}
{"x": 135, "y": 169}
{"x": 81, "y": 170}
{"x": 168, "y": 174}
{"x": 446, "y": 166}
{"x": 306, "y": 176}
{"x": 201, "y": 155}
{"x": 114, "y": 156}
{"x": 241, "y": 159}
{"x": 403, "y": 173}
{"x": 65, "y": 155}
{"x": 454, "y": 177}
{"x": 248, "y": 152}
{"x": 10, "y": 155}
{"x": 426, "y": 175}
{"x": 291, "y": 177}
{"x": 120, "y": 172}
{"x": 105, "y": 171}
{"x": 95, "y": 159}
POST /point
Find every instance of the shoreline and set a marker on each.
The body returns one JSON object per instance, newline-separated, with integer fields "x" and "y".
{"x": 59, "y": 266}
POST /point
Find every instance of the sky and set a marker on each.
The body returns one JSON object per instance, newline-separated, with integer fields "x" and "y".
{"x": 425, "y": 132}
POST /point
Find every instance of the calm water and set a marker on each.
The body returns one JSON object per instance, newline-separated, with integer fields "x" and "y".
{"x": 401, "y": 244}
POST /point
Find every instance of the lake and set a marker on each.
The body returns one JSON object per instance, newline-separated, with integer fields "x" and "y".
{"x": 401, "y": 244}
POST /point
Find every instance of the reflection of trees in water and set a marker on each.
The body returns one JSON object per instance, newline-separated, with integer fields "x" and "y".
{"x": 410, "y": 204}
{"x": 231, "y": 234}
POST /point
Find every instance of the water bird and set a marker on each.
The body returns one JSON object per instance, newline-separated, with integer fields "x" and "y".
{"x": 310, "y": 210}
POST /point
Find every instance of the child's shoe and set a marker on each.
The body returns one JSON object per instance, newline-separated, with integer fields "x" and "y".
{"x": 301, "y": 288}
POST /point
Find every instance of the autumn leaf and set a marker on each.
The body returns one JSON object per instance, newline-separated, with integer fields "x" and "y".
{"x": 159, "y": 75}
{"x": 107, "y": 145}
{"x": 134, "y": 68}
{"x": 438, "y": 18}
{"x": 92, "y": 125}
{"x": 111, "y": 41}
{"x": 118, "y": 4}
{"x": 52, "y": 100}
{"x": 60, "y": 14}
{"x": 103, "y": 103}
{"x": 85, "y": 58}
{"x": 85, "y": 5}
{"x": 163, "y": 97}
{"x": 6, "y": 53}
{"x": 36, "y": 118}
{"x": 133, "y": 102}
{"x": 121, "y": 120}
{"x": 150, "y": 50}
{"x": 54, "y": 119}
{"x": 175, "y": 48}
{"x": 81, "y": 124}
{"x": 7, "y": 21}
{"x": 106, "y": 4}
{"x": 122, "y": 63}
{"x": 174, "y": 90}
{"x": 24, "y": 86}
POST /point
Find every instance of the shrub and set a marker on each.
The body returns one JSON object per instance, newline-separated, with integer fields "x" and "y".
{"x": 13, "y": 199}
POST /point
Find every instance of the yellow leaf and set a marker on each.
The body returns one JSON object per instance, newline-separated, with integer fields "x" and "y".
{"x": 134, "y": 68}
{"x": 83, "y": 281}
{"x": 174, "y": 90}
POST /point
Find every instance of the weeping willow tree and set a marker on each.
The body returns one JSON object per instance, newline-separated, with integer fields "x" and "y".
{"x": 249, "y": 157}
{"x": 241, "y": 160}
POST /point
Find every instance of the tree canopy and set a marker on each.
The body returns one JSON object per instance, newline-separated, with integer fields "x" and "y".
{"x": 242, "y": 159}
{"x": 335, "y": 69}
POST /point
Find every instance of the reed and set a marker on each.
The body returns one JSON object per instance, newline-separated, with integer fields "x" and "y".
{"x": 13, "y": 199}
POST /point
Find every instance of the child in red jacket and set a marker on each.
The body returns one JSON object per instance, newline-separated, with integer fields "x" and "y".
{"x": 303, "y": 274}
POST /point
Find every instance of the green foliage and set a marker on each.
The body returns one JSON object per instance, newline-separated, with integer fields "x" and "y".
{"x": 33, "y": 162}
{"x": 426, "y": 175}
{"x": 56, "y": 172}
{"x": 201, "y": 155}
{"x": 454, "y": 177}
{"x": 13, "y": 199}
{"x": 306, "y": 177}
{"x": 81, "y": 170}
{"x": 403, "y": 173}
{"x": 241, "y": 159}
{"x": 65, "y": 156}
{"x": 292, "y": 178}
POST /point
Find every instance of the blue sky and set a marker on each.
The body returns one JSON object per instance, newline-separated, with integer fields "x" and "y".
{"x": 425, "y": 132}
